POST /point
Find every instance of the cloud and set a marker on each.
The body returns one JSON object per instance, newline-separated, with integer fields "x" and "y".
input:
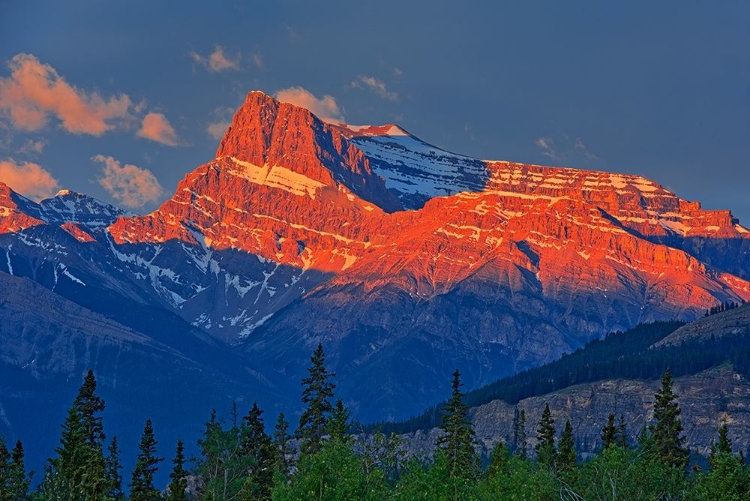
{"x": 565, "y": 149}
{"x": 326, "y": 108}
{"x": 375, "y": 85}
{"x": 132, "y": 186}
{"x": 217, "y": 61}
{"x": 31, "y": 147}
{"x": 34, "y": 92}
{"x": 156, "y": 127}
{"x": 582, "y": 149}
{"x": 28, "y": 179}
{"x": 217, "y": 129}
{"x": 546, "y": 145}
{"x": 257, "y": 60}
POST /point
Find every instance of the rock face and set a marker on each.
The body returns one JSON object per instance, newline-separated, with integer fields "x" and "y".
{"x": 404, "y": 260}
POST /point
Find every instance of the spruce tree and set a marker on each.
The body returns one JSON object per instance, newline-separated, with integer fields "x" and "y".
{"x": 499, "y": 459}
{"x": 142, "y": 483}
{"x": 18, "y": 486}
{"x": 621, "y": 439}
{"x": 338, "y": 423}
{"x": 566, "y": 452}
{"x": 315, "y": 395}
{"x": 6, "y": 472}
{"x": 520, "y": 444}
{"x": 281, "y": 445}
{"x": 178, "y": 476}
{"x": 457, "y": 441}
{"x": 545, "y": 447}
{"x": 609, "y": 432}
{"x": 256, "y": 446}
{"x": 113, "y": 474}
{"x": 666, "y": 430}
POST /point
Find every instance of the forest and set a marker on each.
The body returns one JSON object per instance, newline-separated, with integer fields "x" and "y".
{"x": 327, "y": 458}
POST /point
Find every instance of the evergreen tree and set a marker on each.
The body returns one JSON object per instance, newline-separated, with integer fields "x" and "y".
{"x": 457, "y": 441}
{"x": 609, "y": 432}
{"x": 113, "y": 467}
{"x": 257, "y": 448}
{"x": 142, "y": 483}
{"x": 666, "y": 430}
{"x": 178, "y": 476}
{"x": 499, "y": 459}
{"x": 622, "y": 434}
{"x": 566, "y": 452}
{"x": 6, "y": 469}
{"x": 18, "y": 485}
{"x": 724, "y": 446}
{"x": 281, "y": 445}
{"x": 545, "y": 447}
{"x": 338, "y": 423}
{"x": 520, "y": 444}
{"x": 315, "y": 395}
{"x": 221, "y": 467}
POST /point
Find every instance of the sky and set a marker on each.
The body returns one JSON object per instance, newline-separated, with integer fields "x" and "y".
{"x": 120, "y": 100}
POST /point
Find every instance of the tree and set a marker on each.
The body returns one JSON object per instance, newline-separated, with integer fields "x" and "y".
{"x": 18, "y": 487}
{"x": 498, "y": 459}
{"x": 609, "y": 432}
{"x": 457, "y": 441}
{"x": 566, "y": 451}
{"x": 257, "y": 449}
{"x": 142, "y": 484}
{"x": 221, "y": 467}
{"x": 178, "y": 476}
{"x": 545, "y": 447}
{"x": 666, "y": 430}
{"x": 281, "y": 445}
{"x": 112, "y": 471}
{"x": 724, "y": 446}
{"x": 315, "y": 395}
{"x": 520, "y": 445}
{"x": 338, "y": 423}
{"x": 5, "y": 472}
{"x": 621, "y": 440}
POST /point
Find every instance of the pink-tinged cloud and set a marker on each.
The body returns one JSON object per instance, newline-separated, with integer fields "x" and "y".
{"x": 217, "y": 61}
{"x": 129, "y": 184}
{"x": 157, "y": 128}
{"x": 217, "y": 129}
{"x": 326, "y": 108}
{"x": 376, "y": 86}
{"x": 34, "y": 92}
{"x": 28, "y": 179}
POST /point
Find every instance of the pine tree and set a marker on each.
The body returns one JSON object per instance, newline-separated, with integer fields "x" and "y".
{"x": 545, "y": 447}
{"x": 281, "y": 445}
{"x": 457, "y": 441}
{"x": 566, "y": 452}
{"x": 609, "y": 432}
{"x": 499, "y": 459}
{"x": 256, "y": 446}
{"x": 142, "y": 483}
{"x": 621, "y": 439}
{"x": 315, "y": 395}
{"x": 18, "y": 487}
{"x": 6, "y": 469}
{"x": 668, "y": 427}
{"x": 520, "y": 444}
{"x": 338, "y": 423}
{"x": 178, "y": 476}
{"x": 112, "y": 469}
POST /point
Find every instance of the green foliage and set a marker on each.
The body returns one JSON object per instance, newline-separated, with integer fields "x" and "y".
{"x": 545, "y": 446}
{"x": 338, "y": 424}
{"x": 142, "y": 484}
{"x": 14, "y": 483}
{"x": 724, "y": 445}
{"x": 281, "y": 439}
{"x": 457, "y": 441}
{"x": 178, "y": 476}
{"x": 221, "y": 466}
{"x": 112, "y": 472}
{"x": 520, "y": 444}
{"x": 728, "y": 480}
{"x": 315, "y": 395}
{"x": 666, "y": 431}
{"x": 420, "y": 482}
{"x": 609, "y": 432}
{"x": 519, "y": 479}
{"x": 566, "y": 452}
{"x": 258, "y": 454}
{"x": 621, "y": 439}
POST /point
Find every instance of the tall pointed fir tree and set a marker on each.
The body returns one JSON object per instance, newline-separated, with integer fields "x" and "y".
{"x": 457, "y": 441}
{"x": 723, "y": 446}
{"x": 178, "y": 476}
{"x": 19, "y": 480}
{"x": 667, "y": 429}
{"x": 281, "y": 439}
{"x": 566, "y": 451}
{"x": 338, "y": 424}
{"x": 142, "y": 483}
{"x": 609, "y": 432}
{"x": 621, "y": 440}
{"x": 6, "y": 472}
{"x": 316, "y": 395}
{"x": 113, "y": 471}
{"x": 257, "y": 447}
{"x": 520, "y": 445}
{"x": 545, "y": 447}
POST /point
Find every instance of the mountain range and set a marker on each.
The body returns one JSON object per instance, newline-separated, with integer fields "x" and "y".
{"x": 404, "y": 260}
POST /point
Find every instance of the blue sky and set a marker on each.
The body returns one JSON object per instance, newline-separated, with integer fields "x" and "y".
{"x": 660, "y": 89}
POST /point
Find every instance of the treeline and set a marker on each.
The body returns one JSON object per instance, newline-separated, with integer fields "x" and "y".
{"x": 325, "y": 461}
{"x": 620, "y": 355}
{"x": 729, "y": 305}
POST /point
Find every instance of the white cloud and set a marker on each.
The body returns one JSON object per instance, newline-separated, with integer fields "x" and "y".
{"x": 129, "y": 184}
{"x": 31, "y": 147}
{"x": 326, "y": 108}
{"x": 564, "y": 149}
{"x": 217, "y": 129}
{"x": 35, "y": 92}
{"x": 217, "y": 61}
{"x": 375, "y": 85}
{"x": 28, "y": 179}
{"x": 156, "y": 127}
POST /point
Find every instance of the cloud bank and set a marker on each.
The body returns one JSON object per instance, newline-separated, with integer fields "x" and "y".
{"x": 326, "y": 108}
{"x": 156, "y": 127}
{"x": 217, "y": 61}
{"x": 129, "y": 184}
{"x": 376, "y": 86}
{"x": 28, "y": 179}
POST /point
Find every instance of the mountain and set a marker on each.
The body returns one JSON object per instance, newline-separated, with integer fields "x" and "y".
{"x": 406, "y": 261}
